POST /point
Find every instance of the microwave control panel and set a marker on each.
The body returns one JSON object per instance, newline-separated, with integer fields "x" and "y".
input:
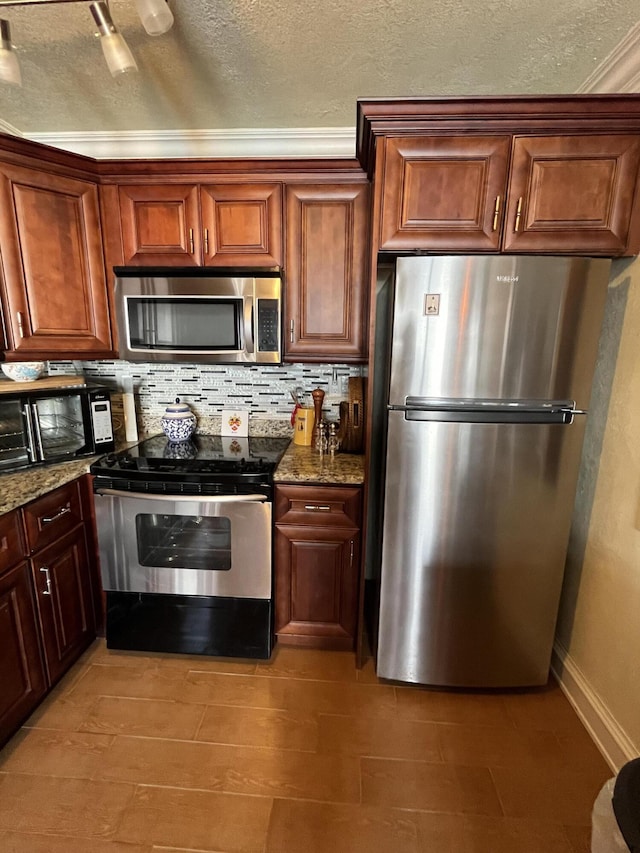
{"x": 268, "y": 325}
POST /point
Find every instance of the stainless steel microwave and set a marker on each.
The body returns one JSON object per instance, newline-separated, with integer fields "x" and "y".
{"x": 218, "y": 316}
{"x": 53, "y": 424}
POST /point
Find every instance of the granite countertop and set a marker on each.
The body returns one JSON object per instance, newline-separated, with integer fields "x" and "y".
{"x": 298, "y": 465}
{"x": 302, "y": 464}
{"x": 31, "y": 483}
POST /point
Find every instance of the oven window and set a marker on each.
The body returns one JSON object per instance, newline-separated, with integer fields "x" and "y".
{"x": 184, "y": 541}
{"x": 184, "y": 324}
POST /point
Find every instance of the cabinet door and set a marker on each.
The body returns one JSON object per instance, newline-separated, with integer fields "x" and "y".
{"x": 571, "y": 194}
{"x": 63, "y": 590}
{"x": 11, "y": 540}
{"x": 242, "y": 225}
{"x": 52, "y": 265}
{"x": 22, "y": 676}
{"x": 326, "y": 272}
{"x": 316, "y": 586}
{"x": 160, "y": 225}
{"x": 443, "y": 193}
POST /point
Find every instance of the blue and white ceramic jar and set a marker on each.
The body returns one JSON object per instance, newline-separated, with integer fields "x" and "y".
{"x": 178, "y": 422}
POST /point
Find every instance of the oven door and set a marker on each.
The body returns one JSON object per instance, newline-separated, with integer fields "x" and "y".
{"x": 180, "y": 545}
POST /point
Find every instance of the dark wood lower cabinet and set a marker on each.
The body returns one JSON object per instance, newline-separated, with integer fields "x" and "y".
{"x": 61, "y": 580}
{"x": 317, "y": 565}
{"x": 22, "y": 677}
{"x": 46, "y": 599}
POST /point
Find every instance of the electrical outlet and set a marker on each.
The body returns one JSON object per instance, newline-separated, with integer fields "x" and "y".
{"x": 432, "y": 303}
{"x": 334, "y": 384}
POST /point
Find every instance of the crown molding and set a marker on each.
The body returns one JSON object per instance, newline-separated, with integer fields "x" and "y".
{"x": 240, "y": 142}
{"x": 620, "y": 70}
{"x": 5, "y": 127}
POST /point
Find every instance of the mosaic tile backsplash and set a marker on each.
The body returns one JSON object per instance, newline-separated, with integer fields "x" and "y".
{"x": 208, "y": 389}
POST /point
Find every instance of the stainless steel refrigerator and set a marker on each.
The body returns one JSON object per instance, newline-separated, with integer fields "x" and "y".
{"x": 489, "y": 375}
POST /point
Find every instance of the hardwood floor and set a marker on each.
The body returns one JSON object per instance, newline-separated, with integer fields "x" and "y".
{"x": 304, "y": 754}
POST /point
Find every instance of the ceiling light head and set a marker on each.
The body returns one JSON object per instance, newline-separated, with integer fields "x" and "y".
{"x": 116, "y": 52}
{"x": 9, "y": 65}
{"x": 155, "y": 15}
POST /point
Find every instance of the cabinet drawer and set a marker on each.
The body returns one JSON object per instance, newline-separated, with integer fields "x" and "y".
{"x": 318, "y": 506}
{"x": 11, "y": 540}
{"x": 52, "y": 515}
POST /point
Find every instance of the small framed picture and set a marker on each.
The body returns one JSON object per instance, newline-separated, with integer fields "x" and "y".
{"x": 235, "y": 422}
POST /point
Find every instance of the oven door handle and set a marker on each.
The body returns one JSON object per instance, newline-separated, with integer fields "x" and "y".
{"x": 218, "y": 499}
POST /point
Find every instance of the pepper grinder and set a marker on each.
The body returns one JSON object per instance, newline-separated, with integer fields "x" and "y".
{"x": 318, "y": 400}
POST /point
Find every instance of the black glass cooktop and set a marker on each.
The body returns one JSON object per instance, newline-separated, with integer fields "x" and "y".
{"x": 203, "y": 457}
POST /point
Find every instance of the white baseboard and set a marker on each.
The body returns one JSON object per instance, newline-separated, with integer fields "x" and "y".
{"x": 612, "y": 741}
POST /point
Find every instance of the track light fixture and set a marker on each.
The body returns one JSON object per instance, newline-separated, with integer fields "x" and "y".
{"x": 155, "y": 16}
{"x": 116, "y": 51}
{"x": 9, "y": 65}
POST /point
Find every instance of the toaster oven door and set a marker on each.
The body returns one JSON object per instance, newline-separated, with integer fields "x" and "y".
{"x": 16, "y": 443}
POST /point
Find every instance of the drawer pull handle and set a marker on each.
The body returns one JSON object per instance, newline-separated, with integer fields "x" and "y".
{"x": 20, "y": 322}
{"x": 317, "y": 507}
{"x": 191, "y": 246}
{"x": 4, "y": 545}
{"x": 206, "y": 241}
{"x": 46, "y": 591}
{"x": 49, "y": 518}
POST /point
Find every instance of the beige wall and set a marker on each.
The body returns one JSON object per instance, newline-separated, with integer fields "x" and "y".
{"x": 599, "y": 623}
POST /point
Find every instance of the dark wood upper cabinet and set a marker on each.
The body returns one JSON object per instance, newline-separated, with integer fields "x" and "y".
{"x": 561, "y": 194}
{"x": 571, "y": 193}
{"x": 201, "y": 225}
{"x": 53, "y": 271}
{"x": 444, "y": 192}
{"x": 551, "y": 174}
{"x": 160, "y": 225}
{"x": 242, "y": 224}
{"x": 326, "y": 255}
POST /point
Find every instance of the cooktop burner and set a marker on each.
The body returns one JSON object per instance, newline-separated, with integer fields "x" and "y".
{"x": 204, "y": 457}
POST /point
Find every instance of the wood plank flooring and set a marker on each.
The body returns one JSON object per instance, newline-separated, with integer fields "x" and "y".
{"x": 137, "y": 753}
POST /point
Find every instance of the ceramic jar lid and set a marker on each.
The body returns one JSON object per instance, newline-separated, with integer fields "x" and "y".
{"x": 178, "y": 410}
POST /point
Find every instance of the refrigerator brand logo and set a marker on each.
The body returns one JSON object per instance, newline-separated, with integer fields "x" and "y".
{"x": 507, "y": 277}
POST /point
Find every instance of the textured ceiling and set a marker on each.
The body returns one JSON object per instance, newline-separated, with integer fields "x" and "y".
{"x": 278, "y": 64}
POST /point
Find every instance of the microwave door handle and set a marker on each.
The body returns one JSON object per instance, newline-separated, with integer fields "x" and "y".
{"x": 218, "y": 499}
{"x": 31, "y": 443}
{"x": 248, "y": 324}
{"x": 37, "y": 430}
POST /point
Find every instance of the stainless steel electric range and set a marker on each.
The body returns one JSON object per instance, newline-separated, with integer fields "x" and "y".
{"x": 185, "y": 540}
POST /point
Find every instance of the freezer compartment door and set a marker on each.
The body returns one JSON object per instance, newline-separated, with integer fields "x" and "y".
{"x": 475, "y": 531}
{"x": 502, "y": 327}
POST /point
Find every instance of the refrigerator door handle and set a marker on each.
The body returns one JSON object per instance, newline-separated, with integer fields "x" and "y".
{"x": 561, "y": 415}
